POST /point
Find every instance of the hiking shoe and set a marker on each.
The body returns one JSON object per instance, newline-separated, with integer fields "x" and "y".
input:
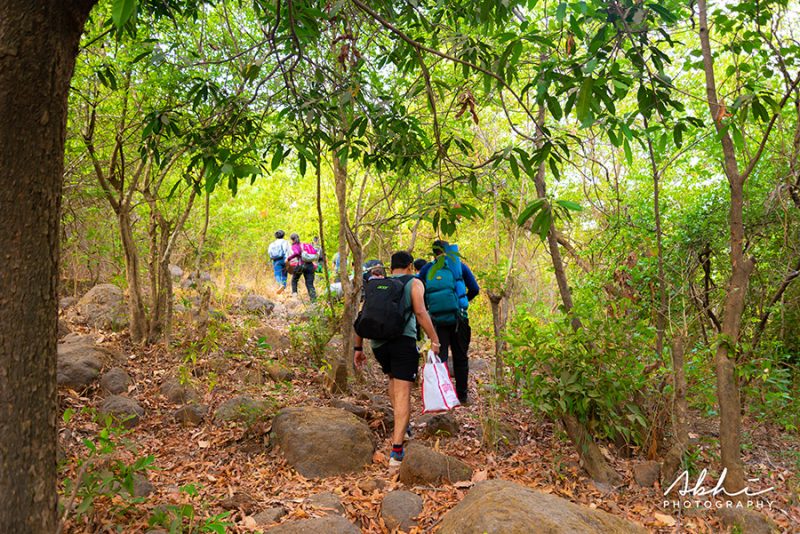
{"x": 464, "y": 400}
{"x": 396, "y": 458}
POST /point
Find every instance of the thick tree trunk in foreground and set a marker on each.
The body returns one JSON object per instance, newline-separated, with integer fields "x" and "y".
{"x": 38, "y": 44}
{"x": 741, "y": 268}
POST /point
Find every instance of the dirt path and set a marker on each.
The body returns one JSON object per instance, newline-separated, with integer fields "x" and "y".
{"x": 233, "y": 466}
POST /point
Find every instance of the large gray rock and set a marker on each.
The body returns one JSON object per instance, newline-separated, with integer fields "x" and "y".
{"x": 123, "y": 409}
{"x": 423, "y": 465}
{"x": 79, "y": 361}
{"x": 243, "y": 409}
{"x": 440, "y": 424}
{"x": 256, "y": 304}
{"x": 102, "y": 307}
{"x": 190, "y": 414}
{"x": 178, "y": 393}
{"x": 501, "y": 507}
{"x": 278, "y": 372}
{"x": 399, "y": 508}
{"x": 63, "y": 329}
{"x": 327, "y": 502}
{"x": 176, "y": 272}
{"x": 747, "y": 521}
{"x": 115, "y": 380}
{"x": 275, "y": 338}
{"x": 646, "y": 473}
{"x": 270, "y": 515}
{"x": 333, "y": 524}
{"x": 322, "y": 442}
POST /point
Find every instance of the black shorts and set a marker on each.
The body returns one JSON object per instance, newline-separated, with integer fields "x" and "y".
{"x": 399, "y": 358}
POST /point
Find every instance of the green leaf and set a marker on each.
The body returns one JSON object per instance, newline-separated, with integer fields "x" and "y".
{"x": 121, "y": 12}
{"x": 584, "y": 100}
{"x": 561, "y": 11}
{"x": 568, "y": 204}
{"x": 301, "y": 159}
{"x": 626, "y": 145}
{"x": 530, "y": 210}
{"x": 277, "y": 158}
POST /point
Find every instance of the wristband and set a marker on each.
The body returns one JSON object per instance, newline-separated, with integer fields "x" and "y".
{"x": 358, "y": 348}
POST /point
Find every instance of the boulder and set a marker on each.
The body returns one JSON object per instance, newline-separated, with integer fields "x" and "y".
{"x": 178, "y": 393}
{"x": 142, "y": 487}
{"x": 63, "y": 329}
{"x": 242, "y": 409}
{"x": 275, "y": 338}
{"x": 440, "y": 424}
{"x": 190, "y": 414}
{"x": 371, "y": 484}
{"x": 123, "y": 409}
{"x": 256, "y": 304}
{"x": 321, "y": 442}
{"x": 278, "y": 372}
{"x": 239, "y": 501}
{"x": 102, "y": 307}
{"x": 478, "y": 365}
{"x": 399, "y": 508}
{"x": 646, "y": 473}
{"x": 498, "y": 506}
{"x": 355, "y": 409}
{"x": 334, "y": 524}
{"x": 270, "y": 515}
{"x": 115, "y": 380}
{"x": 746, "y": 521}
{"x": 79, "y": 361}
{"x": 176, "y": 272}
{"x": 328, "y": 502}
{"x": 423, "y": 465}
{"x": 67, "y": 302}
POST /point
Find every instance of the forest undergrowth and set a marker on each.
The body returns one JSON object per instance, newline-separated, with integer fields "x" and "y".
{"x": 215, "y": 477}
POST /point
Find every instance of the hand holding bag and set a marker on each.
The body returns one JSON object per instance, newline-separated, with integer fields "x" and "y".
{"x": 438, "y": 394}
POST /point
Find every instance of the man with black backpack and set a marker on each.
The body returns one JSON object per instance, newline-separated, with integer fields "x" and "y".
{"x": 393, "y": 307}
{"x": 449, "y": 286}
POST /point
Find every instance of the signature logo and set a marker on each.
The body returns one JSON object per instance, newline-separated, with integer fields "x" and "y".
{"x": 699, "y": 495}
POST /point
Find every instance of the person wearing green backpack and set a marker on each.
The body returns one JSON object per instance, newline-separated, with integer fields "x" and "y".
{"x": 449, "y": 287}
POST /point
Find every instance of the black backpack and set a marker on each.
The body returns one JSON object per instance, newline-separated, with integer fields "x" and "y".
{"x": 384, "y": 314}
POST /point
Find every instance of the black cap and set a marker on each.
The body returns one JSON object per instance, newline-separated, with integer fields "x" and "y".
{"x": 419, "y": 264}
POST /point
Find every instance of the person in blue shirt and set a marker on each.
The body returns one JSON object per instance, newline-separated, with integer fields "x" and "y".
{"x": 451, "y": 290}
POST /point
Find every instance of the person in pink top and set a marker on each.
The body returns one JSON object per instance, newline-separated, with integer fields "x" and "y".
{"x": 300, "y": 267}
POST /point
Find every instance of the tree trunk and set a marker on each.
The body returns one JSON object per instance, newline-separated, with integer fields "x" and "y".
{"x": 741, "y": 268}
{"x": 350, "y": 290}
{"x": 138, "y": 319}
{"x": 680, "y": 414}
{"x": 38, "y": 44}
{"x": 499, "y": 319}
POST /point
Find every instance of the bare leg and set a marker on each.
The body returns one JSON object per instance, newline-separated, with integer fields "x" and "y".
{"x": 400, "y": 395}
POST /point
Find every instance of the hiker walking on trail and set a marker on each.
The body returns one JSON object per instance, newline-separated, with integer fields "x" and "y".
{"x": 449, "y": 286}
{"x": 278, "y": 251}
{"x": 302, "y": 263}
{"x": 393, "y": 309}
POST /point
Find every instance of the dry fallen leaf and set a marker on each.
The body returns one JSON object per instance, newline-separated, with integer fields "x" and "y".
{"x": 204, "y": 444}
{"x": 463, "y": 484}
{"x": 249, "y": 522}
{"x": 664, "y": 519}
{"x": 480, "y": 475}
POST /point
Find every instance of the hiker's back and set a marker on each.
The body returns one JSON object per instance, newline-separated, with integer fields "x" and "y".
{"x": 387, "y": 312}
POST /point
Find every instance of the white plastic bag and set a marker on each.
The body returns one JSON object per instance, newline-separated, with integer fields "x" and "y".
{"x": 438, "y": 394}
